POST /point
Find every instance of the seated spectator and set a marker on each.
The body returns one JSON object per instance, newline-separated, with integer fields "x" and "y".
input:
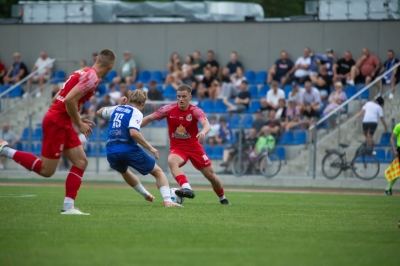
{"x": 280, "y": 70}
{"x": 341, "y": 70}
{"x": 56, "y": 89}
{"x": 295, "y": 92}
{"x": 393, "y": 77}
{"x": 238, "y": 77}
{"x": 274, "y": 124}
{"x": 197, "y": 65}
{"x": 208, "y": 86}
{"x": 83, "y": 64}
{"x": 242, "y": 101}
{"x": 281, "y": 110}
{"x": 8, "y": 135}
{"x": 172, "y": 60}
{"x": 17, "y": 71}
{"x": 328, "y": 60}
{"x": 225, "y": 133}
{"x": 264, "y": 141}
{"x": 273, "y": 96}
{"x": 43, "y": 63}
{"x": 106, "y": 101}
{"x": 322, "y": 81}
{"x": 365, "y": 69}
{"x": 310, "y": 97}
{"x": 154, "y": 94}
{"x": 258, "y": 122}
{"x": 301, "y": 67}
{"x": 127, "y": 72}
{"x": 190, "y": 80}
{"x": 187, "y": 64}
{"x": 89, "y": 107}
{"x": 124, "y": 90}
{"x": 234, "y": 63}
{"x": 292, "y": 118}
{"x": 212, "y": 64}
{"x": 140, "y": 86}
{"x": 230, "y": 86}
{"x": 2, "y": 72}
{"x": 175, "y": 77}
{"x": 214, "y": 131}
{"x": 114, "y": 94}
{"x": 335, "y": 98}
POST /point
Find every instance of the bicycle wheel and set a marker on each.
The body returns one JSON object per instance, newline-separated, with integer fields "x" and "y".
{"x": 365, "y": 166}
{"x": 332, "y": 165}
{"x": 239, "y": 169}
{"x": 270, "y": 165}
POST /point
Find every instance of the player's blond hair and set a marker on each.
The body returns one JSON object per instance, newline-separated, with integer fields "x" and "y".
{"x": 184, "y": 87}
{"x": 106, "y": 58}
{"x": 138, "y": 97}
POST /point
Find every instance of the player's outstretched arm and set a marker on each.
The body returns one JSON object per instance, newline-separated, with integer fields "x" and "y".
{"x": 147, "y": 120}
{"x": 206, "y": 128}
{"x": 137, "y": 136}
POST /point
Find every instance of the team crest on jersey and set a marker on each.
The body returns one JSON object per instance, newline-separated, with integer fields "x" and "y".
{"x": 180, "y": 133}
{"x": 189, "y": 117}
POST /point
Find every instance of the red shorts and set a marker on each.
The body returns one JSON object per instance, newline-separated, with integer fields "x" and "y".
{"x": 196, "y": 155}
{"x": 58, "y": 136}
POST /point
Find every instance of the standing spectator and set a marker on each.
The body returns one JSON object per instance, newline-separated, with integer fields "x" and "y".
{"x": 43, "y": 63}
{"x": 274, "y": 124}
{"x": 242, "y": 101}
{"x": 212, "y": 64}
{"x": 114, "y": 94}
{"x": 341, "y": 70}
{"x": 154, "y": 94}
{"x": 208, "y": 86}
{"x": 310, "y": 101}
{"x": 365, "y": 69}
{"x": 171, "y": 63}
{"x": 2, "y": 72}
{"x": 295, "y": 93}
{"x": 234, "y": 63}
{"x": 127, "y": 72}
{"x": 8, "y": 135}
{"x": 392, "y": 77}
{"x": 225, "y": 133}
{"x": 273, "y": 96}
{"x": 17, "y": 71}
{"x": 258, "y": 122}
{"x": 214, "y": 131}
{"x": 82, "y": 64}
{"x": 301, "y": 68}
{"x": 323, "y": 81}
{"x": 335, "y": 98}
{"x": 197, "y": 65}
{"x": 280, "y": 70}
{"x": 292, "y": 118}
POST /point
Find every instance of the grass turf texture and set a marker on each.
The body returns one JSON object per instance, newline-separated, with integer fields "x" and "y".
{"x": 258, "y": 229}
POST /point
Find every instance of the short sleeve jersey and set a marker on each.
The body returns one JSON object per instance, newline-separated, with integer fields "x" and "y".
{"x": 86, "y": 80}
{"x": 182, "y": 125}
{"x": 122, "y": 119}
{"x": 396, "y": 131}
{"x": 373, "y": 112}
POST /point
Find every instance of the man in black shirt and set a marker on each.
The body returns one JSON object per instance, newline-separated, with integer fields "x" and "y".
{"x": 258, "y": 122}
{"x": 208, "y": 86}
{"x": 341, "y": 70}
{"x": 16, "y": 72}
{"x": 234, "y": 63}
{"x": 212, "y": 64}
{"x": 274, "y": 125}
{"x": 279, "y": 71}
{"x": 322, "y": 81}
{"x": 241, "y": 101}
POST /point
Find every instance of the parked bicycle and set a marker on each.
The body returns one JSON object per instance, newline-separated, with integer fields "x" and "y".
{"x": 364, "y": 164}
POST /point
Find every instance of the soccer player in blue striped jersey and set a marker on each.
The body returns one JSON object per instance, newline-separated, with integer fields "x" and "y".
{"x": 123, "y": 150}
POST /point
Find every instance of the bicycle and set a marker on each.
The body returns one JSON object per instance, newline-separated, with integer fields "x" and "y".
{"x": 364, "y": 164}
{"x": 266, "y": 161}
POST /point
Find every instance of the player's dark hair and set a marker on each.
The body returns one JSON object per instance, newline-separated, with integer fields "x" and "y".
{"x": 184, "y": 87}
{"x": 106, "y": 57}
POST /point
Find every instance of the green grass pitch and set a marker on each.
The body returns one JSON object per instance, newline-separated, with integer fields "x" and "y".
{"x": 257, "y": 229}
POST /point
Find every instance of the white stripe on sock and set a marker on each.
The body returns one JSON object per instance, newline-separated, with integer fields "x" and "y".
{"x": 75, "y": 174}
{"x": 33, "y": 166}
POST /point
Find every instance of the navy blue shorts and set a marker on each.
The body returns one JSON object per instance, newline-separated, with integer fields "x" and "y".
{"x": 137, "y": 159}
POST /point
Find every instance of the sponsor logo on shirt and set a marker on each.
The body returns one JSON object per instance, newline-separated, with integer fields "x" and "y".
{"x": 189, "y": 117}
{"x": 180, "y": 133}
{"x": 116, "y": 132}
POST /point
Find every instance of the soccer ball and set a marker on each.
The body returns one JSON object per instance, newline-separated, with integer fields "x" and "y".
{"x": 174, "y": 197}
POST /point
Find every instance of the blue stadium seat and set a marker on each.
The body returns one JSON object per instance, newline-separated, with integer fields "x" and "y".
{"x": 101, "y": 90}
{"x": 16, "y": 92}
{"x": 380, "y": 155}
{"x": 365, "y": 94}
{"x": 157, "y": 76}
{"x": 250, "y": 76}
{"x": 208, "y": 150}
{"x": 28, "y": 148}
{"x": 263, "y": 91}
{"x": 261, "y": 77}
{"x": 350, "y": 91}
{"x": 103, "y": 151}
{"x": 169, "y": 92}
{"x": 3, "y": 89}
{"x": 235, "y": 121}
{"x": 220, "y": 107}
{"x": 287, "y": 138}
{"x": 253, "y": 91}
{"x": 104, "y": 134}
{"x": 110, "y": 76}
{"x": 301, "y": 137}
{"x": 385, "y": 140}
{"x": 26, "y": 132}
{"x": 159, "y": 87}
{"x": 389, "y": 156}
{"x": 131, "y": 87}
{"x": 59, "y": 76}
{"x": 38, "y": 135}
{"x": 38, "y": 149}
{"x": 254, "y": 106}
{"x": 217, "y": 152}
{"x": 247, "y": 121}
{"x": 287, "y": 89}
{"x": 165, "y": 74}
{"x": 281, "y": 152}
{"x": 144, "y": 76}
{"x": 208, "y": 106}
{"x": 162, "y": 123}
{"x": 19, "y": 146}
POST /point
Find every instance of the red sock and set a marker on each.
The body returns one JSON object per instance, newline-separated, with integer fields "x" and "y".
{"x": 181, "y": 179}
{"x": 28, "y": 160}
{"x": 73, "y": 182}
{"x": 220, "y": 192}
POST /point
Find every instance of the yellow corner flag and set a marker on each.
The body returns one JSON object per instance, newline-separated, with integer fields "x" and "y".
{"x": 393, "y": 171}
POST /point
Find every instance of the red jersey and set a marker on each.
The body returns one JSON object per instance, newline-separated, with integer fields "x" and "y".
{"x": 86, "y": 80}
{"x": 182, "y": 125}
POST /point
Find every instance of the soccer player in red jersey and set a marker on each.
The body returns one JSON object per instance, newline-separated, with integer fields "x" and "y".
{"x": 182, "y": 118}
{"x": 59, "y": 135}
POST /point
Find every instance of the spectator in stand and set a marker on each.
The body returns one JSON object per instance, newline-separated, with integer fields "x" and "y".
{"x": 175, "y": 77}
{"x": 292, "y": 118}
{"x": 127, "y": 72}
{"x": 171, "y": 64}
{"x": 123, "y": 89}
{"x": 154, "y": 94}
{"x": 17, "y": 71}
{"x": 258, "y": 122}
{"x": 214, "y": 131}
{"x": 280, "y": 70}
{"x": 114, "y": 94}
{"x": 2, "y": 72}
{"x": 281, "y": 110}
{"x": 8, "y": 135}
{"x": 273, "y": 96}
{"x": 323, "y": 81}
{"x": 391, "y": 78}
{"x": 197, "y": 65}
{"x": 301, "y": 68}
{"x": 190, "y": 80}
{"x": 365, "y": 69}
{"x": 212, "y": 64}
{"x": 208, "y": 86}
{"x": 328, "y": 60}
{"x": 230, "y": 85}
{"x": 225, "y": 133}
{"x": 89, "y": 107}
{"x": 341, "y": 70}
{"x": 83, "y": 64}
{"x": 274, "y": 124}
{"x": 187, "y": 64}
{"x": 310, "y": 102}
{"x": 56, "y": 89}
{"x": 242, "y": 101}
{"x": 234, "y": 63}
{"x": 44, "y": 66}
{"x": 335, "y": 98}
{"x": 140, "y": 86}
{"x": 264, "y": 142}
{"x": 238, "y": 77}
{"x": 106, "y": 101}
{"x": 296, "y": 91}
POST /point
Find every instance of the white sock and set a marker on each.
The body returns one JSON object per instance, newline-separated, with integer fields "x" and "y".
{"x": 221, "y": 198}
{"x": 165, "y": 193}
{"x": 68, "y": 203}
{"x": 141, "y": 190}
{"x": 8, "y": 152}
{"x": 186, "y": 185}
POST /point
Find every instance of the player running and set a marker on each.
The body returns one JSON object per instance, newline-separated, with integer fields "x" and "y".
{"x": 123, "y": 151}
{"x": 59, "y": 136}
{"x": 182, "y": 118}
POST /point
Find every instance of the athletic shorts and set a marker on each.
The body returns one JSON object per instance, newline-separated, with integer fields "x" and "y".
{"x": 57, "y": 137}
{"x": 137, "y": 159}
{"x": 196, "y": 155}
{"x": 369, "y": 128}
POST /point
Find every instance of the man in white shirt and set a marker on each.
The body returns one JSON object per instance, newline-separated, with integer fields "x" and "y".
{"x": 301, "y": 68}
{"x": 273, "y": 97}
{"x": 43, "y": 63}
{"x": 372, "y": 111}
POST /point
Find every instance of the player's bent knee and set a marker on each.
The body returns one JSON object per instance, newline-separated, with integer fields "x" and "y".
{"x": 81, "y": 163}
